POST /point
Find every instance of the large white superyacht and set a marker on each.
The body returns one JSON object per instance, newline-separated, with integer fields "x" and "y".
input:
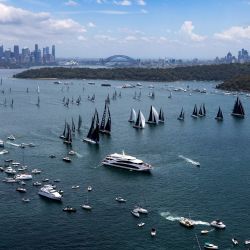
{"x": 126, "y": 162}
{"x": 49, "y": 192}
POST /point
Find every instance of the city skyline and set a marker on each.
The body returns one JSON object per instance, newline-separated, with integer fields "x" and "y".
{"x": 137, "y": 28}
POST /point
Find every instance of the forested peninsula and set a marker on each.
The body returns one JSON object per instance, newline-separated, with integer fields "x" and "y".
{"x": 235, "y": 77}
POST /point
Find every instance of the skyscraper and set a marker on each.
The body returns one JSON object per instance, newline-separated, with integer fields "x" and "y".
{"x": 54, "y": 51}
{"x": 1, "y": 51}
{"x": 16, "y": 52}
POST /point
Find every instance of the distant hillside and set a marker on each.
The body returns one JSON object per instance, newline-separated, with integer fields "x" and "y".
{"x": 239, "y": 83}
{"x": 200, "y": 73}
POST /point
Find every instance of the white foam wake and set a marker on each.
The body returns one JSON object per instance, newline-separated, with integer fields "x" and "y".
{"x": 173, "y": 217}
{"x": 78, "y": 155}
{"x": 13, "y": 144}
{"x": 196, "y": 163}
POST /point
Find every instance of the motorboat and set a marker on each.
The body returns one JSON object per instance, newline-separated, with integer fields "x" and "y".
{"x": 141, "y": 210}
{"x": 23, "y": 177}
{"x": 10, "y": 170}
{"x": 86, "y": 207}
{"x": 69, "y": 209}
{"x": 1, "y": 169}
{"x": 36, "y": 171}
{"x": 71, "y": 152}
{"x": 89, "y": 188}
{"x": 1, "y": 143}
{"x": 210, "y": 246}
{"x": 31, "y": 145}
{"x": 75, "y": 187}
{"x": 218, "y": 224}
{"x": 45, "y": 180}
{"x": 22, "y": 183}
{"x": 120, "y": 199}
{"x": 135, "y": 213}
{"x": 22, "y": 168}
{"x": 205, "y": 231}
{"x": 57, "y": 180}
{"x": 25, "y": 199}
{"x": 247, "y": 242}
{"x": 49, "y": 192}
{"x": 52, "y": 156}
{"x": 186, "y": 222}
{"x": 9, "y": 180}
{"x": 126, "y": 162}
{"x": 15, "y": 164}
{"x": 153, "y": 232}
{"x": 3, "y": 152}
{"x": 8, "y": 160}
{"x": 11, "y": 138}
{"x": 235, "y": 241}
{"x": 141, "y": 224}
{"x": 66, "y": 159}
{"x": 21, "y": 190}
{"x": 37, "y": 183}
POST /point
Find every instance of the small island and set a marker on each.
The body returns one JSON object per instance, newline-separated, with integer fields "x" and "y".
{"x": 234, "y": 77}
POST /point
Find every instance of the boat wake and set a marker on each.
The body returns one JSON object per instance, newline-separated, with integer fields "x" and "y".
{"x": 79, "y": 155}
{"x": 196, "y": 163}
{"x": 13, "y": 144}
{"x": 173, "y": 217}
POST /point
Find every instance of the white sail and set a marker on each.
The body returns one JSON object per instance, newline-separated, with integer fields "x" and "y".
{"x": 155, "y": 115}
{"x": 142, "y": 120}
{"x": 38, "y": 89}
{"x": 132, "y": 117}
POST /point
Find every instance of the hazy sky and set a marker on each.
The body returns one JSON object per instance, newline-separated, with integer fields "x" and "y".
{"x": 138, "y": 28}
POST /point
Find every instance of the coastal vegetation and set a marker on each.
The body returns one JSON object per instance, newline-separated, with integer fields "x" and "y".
{"x": 233, "y": 76}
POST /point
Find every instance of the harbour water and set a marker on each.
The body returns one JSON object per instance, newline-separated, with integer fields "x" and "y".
{"x": 176, "y": 188}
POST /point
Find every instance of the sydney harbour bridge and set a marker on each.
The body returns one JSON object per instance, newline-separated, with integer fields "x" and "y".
{"x": 119, "y": 60}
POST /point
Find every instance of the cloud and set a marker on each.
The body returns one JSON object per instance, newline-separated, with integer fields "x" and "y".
{"x": 112, "y": 12}
{"x": 20, "y": 24}
{"x": 235, "y": 33}
{"x": 82, "y": 38}
{"x": 71, "y": 3}
{"x": 130, "y": 38}
{"x": 187, "y": 30}
{"x": 144, "y": 11}
{"x": 101, "y": 1}
{"x": 91, "y": 25}
{"x": 141, "y": 2}
{"x": 104, "y": 38}
{"x": 123, "y": 3}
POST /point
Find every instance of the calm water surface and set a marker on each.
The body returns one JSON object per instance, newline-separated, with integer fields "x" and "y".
{"x": 218, "y": 189}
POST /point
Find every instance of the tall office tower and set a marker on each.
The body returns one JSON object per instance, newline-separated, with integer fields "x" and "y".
{"x": 1, "y": 51}
{"x": 54, "y": 51}
{"x": 36, "y": 59}
{"x": 16, "y": 52}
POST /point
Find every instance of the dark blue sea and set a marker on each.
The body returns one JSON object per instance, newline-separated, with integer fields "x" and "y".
{"x": 218, "y": 189}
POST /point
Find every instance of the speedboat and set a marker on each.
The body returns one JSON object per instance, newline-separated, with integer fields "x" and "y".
{"x": 66, "y": 159}
{"x": 247, "y": 242}
{"x": 210, "y": 246}
{"x": 135, "y": 213}
{"x": 89, "y": 188}
{"x": 21, "y": 190}
{"x": 3, "y": 152}
{"x": 57, "y": 180}
{"x": 49, "y": 192}
{"x": 204, "y": 231}
{"x": 186, "y": 222}
{"x": 36, "y": 171}
{"x": 11, "y": 138}
{"x": 1, "y": 143}
{"x": 10, "y": 170}
{"x": 120, "y": 199}
{"x": 15, "y": 164}
{"x": 75, "y": 187}
{"x": 23, "y": 177}
{"x": 126, "y": 162}
{"x": 36, "y": 184}
{"x": 153, "y": 232}
{"x": 9, "y": 180}
{"x": 141, "y": 210}
{"x": 218, "y": 224}
{"x": 71, "y": 152}
{"x": 141, "y": 224}
{"x": 69, "y": 209}
{"x": 8, "y": 160}
{"x": 45, "y": 180}
{"x": 86, "y": 207}
{"x": 22, "y": 168}
{"x": 235, "y": 241}
{"x": 25, "y": 199}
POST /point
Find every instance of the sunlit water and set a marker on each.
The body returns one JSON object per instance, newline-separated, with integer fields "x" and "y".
{"x": 219, "y": 188}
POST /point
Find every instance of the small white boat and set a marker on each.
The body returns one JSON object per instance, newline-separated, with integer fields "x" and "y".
{"x": 11, "y": 138}
{"x": 66, "y": 159}
{"x": 141, "y": 224}
{"x": 210, "y": 246}
{"x": 36, "y": 171}
{"x": 86, "y": 207}
{"x": 205, "y": 231}
{"x": 57, "y": 180}
{"x": 247, "y": 242}
{"x": 9, "y": 180}
{"x": 25, "y": 200}
{"x": 37, "y": 183}
{"x": 186, "y": 222}
{"x": 10, "y": 170}
{"x": 235, "y": 241}
{"x": 1, "y": 143}
{"x": 141, "y": 210}
{"x": 22, "y": 168}
{"x": 218, "y": 224}
{"x": 75, "y": 187}
{"x": 23, "y": 177}
{"x": 120, "y": 199}
{"x": 3, "y": 152}
{"x": 71, "y": 152}
{"x": 135, "y": 213}
{"x": 153, "y": 232}
{"x": 89, "y": 188}
{"x": 21, "y": 190}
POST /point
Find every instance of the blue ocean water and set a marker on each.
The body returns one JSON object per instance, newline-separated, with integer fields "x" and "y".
{"x": 175, "y": 188}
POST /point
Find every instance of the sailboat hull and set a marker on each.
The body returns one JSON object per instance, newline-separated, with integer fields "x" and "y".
{"x": 106, "y": 132}
{"x": 138, "y": 127}
{"x": 194, "y": 116}
{"x": 218, "y": 119}
{"x": 238, "y": 115}
{"x": 90, "y": 141}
